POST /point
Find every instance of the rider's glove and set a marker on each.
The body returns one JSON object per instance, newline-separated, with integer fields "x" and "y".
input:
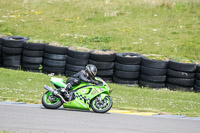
{"x": 95, "y": 82}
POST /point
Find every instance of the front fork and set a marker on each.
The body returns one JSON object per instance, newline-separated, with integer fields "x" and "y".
{"x": 102, "y": 96}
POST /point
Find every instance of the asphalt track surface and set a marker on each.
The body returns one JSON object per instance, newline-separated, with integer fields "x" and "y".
{"x": 34, "y": 119}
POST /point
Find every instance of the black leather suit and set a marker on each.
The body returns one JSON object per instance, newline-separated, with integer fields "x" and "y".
{"x": 79, "y": 77}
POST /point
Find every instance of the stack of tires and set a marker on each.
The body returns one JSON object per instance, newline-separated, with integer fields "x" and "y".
{"x": 54, "y": 59}
{"x": 32, "y": 56}
{"x": 180, "y": 76}
{"x": 104, "y": 61}
{"x": 76, "y": 61}
{"x": 197, "y": 79}
{"x": 12, "y": 51}
{"x": 1, "y": 59}
{"x": 153, "y": 73}
{"x": 127, "y": 68}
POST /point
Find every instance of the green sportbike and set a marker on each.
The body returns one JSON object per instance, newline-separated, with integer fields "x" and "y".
{"x": 86, "y": 96}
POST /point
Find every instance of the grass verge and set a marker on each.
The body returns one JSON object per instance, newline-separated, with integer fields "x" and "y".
{"x": 27, "y": 87}
{"x": 165, "y": 27}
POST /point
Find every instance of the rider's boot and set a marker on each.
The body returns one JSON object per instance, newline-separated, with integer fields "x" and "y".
{"x": 67, "y": 90}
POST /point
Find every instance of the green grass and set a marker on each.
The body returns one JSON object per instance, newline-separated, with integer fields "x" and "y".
{"x": 27, "y": 87}
{"x": 167, "y": 28}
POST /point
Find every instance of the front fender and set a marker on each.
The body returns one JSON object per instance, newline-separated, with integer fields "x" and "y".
{"x": 103, "y": 95}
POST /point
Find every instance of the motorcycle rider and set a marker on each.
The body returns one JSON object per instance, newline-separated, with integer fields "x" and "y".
{"x": 87, "y": 75}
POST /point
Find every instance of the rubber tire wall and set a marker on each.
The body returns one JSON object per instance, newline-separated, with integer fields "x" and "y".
{"x": 76, "y": 61}
{"x": 54, "y": 59}
{"x": 32, "y": 56}
{"x": 1, "y": 58}
{"x": 12, "y": 51}
{"x": 197, "y": 79}
{"x": 180, "y": 76}
{"x": 124, "y": 68}
{"x": 104, "y": 64}
{"x": 127, "y": 68}
{"x": 153, "y": 73}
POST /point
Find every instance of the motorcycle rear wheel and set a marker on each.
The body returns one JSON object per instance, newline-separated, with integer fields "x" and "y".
{"x": 101, "y": 107}
{"x": 51, "y": 104}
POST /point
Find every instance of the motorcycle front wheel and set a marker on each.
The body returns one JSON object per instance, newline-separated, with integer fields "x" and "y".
{"x": 50, "y": 101}
{"x": 101, "y": 106}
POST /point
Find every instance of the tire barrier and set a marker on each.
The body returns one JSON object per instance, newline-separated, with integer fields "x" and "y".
{"x": 197, "y": 79}
{"x": 54, "y": 59}
{"x": 127, "y": 68}
{"x": 1, "y": 59}
{"x": 12, "y": 51}
{"x": 121, "y": 68}
{"x": 180, "y": 76}
{"x": 76, "y": 61}
{"x": 104, "y": 61}
{"x": 32, "y": 56}
{"x": 153, "y": 73}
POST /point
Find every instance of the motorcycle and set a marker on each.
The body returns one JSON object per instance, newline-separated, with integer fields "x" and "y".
{"x": 86, "y": 96}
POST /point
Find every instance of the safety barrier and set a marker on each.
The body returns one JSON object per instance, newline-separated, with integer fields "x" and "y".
{"x": 122, "y": 68}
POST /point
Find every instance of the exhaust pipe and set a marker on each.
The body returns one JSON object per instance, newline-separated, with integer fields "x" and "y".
{"x": 54, "y": 92}
{"x": 51, "y": 90}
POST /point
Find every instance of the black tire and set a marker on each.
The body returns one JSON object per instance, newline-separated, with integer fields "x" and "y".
{"x": 56, "y": 50}
{"x": 197, "y": 82}
{"x": 185, "y": 67}
{"x": 154, "y": 63}
{"x": 154, "y": 79}
{"x": 1, "y": 41}
{"x": 13, "y": 51}
{"x": 151, "y": 84}
{"x": 30, "y": 70}
{"x": 178, "y": 87}
{"x": 12, "y": 67}
{"x": 179, "y": 74}
{"x": 153, "y": 71}
{"x": 31, "y": 66}
{"x": 197, "y": 75}
{"x": 78, "y": 54}
{"x": 54, "y": 63}
{"x": 14, "y": 41}
{"x": 128, "y": 58}
{"x": 102, "y": 65}
{"x": 105, "y": 72}
{"x": 34, "y": 46}
{"x": 1, "y": 61}
{"x": 74, "y": 67}
{"x": 32, "y": 60}
{"x": 69, "y": 73}
{"x": 104, "y": 110}
{"x": 75, "y": 61}
{"x": 196, "y": 88}
{"x": 50, "y": 106}
{"x": 124, "y": 81}
{"x": 181, "y": 81}
{"x": 11, "y": 57}
{"x": 129, "y": 68}
{"x": 102, "y": 57}
{"x": 198, "y": 68}
{"x": 0, "y": 49}
{"x": 56, "y": 70}
{"x": 126, "y": 75}
{"x": 107, "y": 78}
{"x": 9, "y": 63}
{"x": 32, "y": 53}
{"x": 55, "y": 56}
